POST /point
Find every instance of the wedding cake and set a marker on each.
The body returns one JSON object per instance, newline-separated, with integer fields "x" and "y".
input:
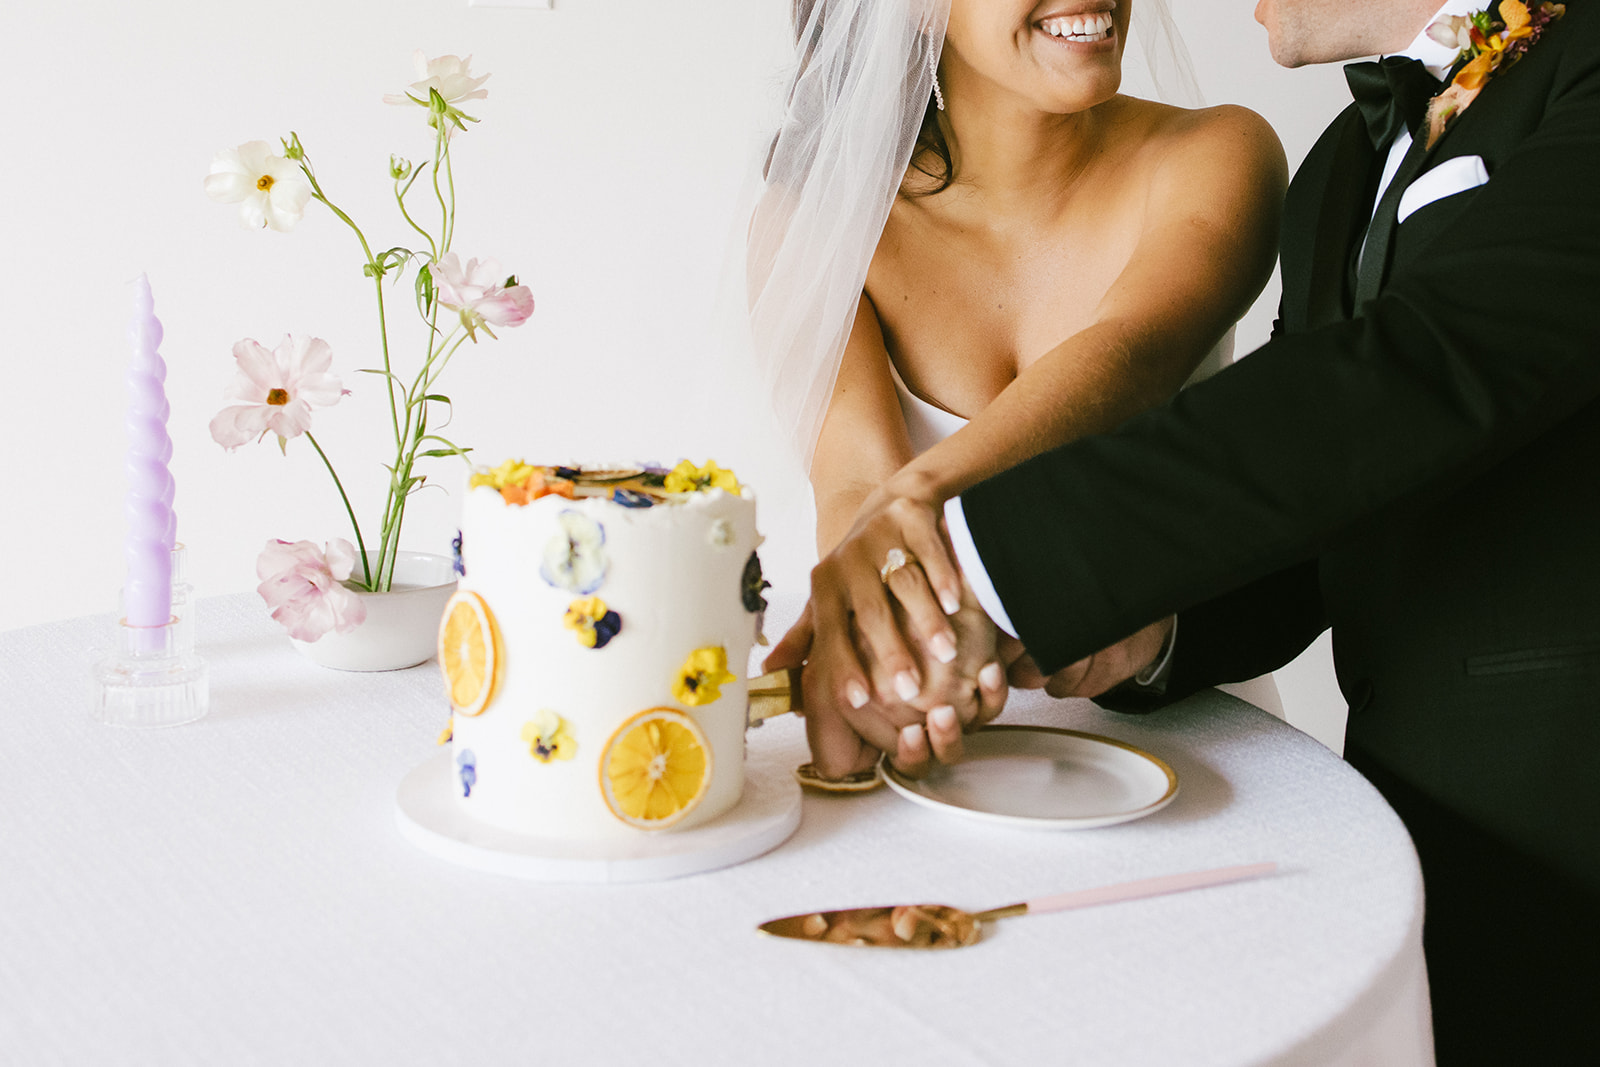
{"x": 594, "y": 653}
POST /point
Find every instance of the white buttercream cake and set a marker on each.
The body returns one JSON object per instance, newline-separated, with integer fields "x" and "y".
{"x": 595, "y": 650}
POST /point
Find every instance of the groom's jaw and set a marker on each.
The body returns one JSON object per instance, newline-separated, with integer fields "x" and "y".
{"x": 1302, "y": 32}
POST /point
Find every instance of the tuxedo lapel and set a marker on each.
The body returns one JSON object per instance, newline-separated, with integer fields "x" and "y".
{"x": 1331, "y": 207}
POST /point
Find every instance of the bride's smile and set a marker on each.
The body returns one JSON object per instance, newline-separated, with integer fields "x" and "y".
{"x": 1053, "y": 56}
{"x": 1091, "y": 27}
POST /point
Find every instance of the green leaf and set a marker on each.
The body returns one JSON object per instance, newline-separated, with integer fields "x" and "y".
{"x": 437, "y": 453}
{"x": 425, "y": 292}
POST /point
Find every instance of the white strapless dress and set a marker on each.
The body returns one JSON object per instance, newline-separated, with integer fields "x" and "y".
{"x": 928, "y": 424}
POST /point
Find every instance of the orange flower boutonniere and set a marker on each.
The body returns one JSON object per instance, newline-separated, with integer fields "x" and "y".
{"x": 1486, "y": 45}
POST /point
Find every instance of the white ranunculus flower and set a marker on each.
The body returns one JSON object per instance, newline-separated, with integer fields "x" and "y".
{"x": 451, "y": 77}
{"x": 269, "y": 189}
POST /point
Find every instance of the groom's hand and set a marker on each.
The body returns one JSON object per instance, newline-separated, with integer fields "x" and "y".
{"x": 955, "y": 698}
{"x": 1095, "y": 674}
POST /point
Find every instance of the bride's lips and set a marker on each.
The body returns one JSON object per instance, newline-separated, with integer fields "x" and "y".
{"x": 1079, "y": 25}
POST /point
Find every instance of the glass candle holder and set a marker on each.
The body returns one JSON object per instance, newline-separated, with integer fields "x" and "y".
{"x": 154, "y": 677}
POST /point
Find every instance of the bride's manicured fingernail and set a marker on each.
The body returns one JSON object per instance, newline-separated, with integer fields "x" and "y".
{"x": 951, "y": 602}
{"x": 856, "y": 693}
{"x": 943, "y": 717}
{"x": 906, "y": 686}
{"x": 991, "y": 677}
{"x": 911, "y": 737}
{"x": 944, "y": 649}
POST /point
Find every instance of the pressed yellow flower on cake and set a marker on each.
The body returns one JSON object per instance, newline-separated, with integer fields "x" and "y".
{"x": 701, "y": 677}
{"x": 687, "y": 478}
{"x": 549, "y": 737}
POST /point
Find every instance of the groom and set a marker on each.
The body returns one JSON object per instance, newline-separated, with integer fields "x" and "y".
{"x": 1414, "y": 460}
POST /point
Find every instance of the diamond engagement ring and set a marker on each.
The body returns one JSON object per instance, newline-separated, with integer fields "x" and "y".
{"x": 897, "y": 559}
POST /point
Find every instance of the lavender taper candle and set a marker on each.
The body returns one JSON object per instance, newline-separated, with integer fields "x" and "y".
{"x": 147, "y": 594}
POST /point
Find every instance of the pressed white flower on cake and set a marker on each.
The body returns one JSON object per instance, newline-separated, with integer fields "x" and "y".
{"x": 269, "y": 189}
{"x": 276, "y": 390}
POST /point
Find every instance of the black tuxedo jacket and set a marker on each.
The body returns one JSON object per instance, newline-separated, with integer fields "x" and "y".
{"x": 1424, "y": 477}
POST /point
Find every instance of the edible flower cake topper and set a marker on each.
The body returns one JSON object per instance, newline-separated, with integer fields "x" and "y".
{"x": 549, "y": 737}
{"x": 522, "y": 483}
{"x": 702, "y": 676}
{"x": 593, "y": 622}
{"x": 1485, "y": 46}
{"x": 687, "y": 478}
{"x": 575, "y": 557}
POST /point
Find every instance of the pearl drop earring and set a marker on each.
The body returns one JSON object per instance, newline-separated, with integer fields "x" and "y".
{"x": 933, "y": 68}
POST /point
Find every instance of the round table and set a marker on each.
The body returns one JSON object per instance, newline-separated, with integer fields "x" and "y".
{"x": 236, "y": 890}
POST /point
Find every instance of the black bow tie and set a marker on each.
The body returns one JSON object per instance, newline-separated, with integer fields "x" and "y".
{"x": 1392, "y": 95}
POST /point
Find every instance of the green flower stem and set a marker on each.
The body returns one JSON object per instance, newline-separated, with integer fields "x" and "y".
{"x": 450, "y": 178}
{"x": 377, "y": 282}
{"x": 427, "y": 384}
{"x": 361, "y": 546}
{"x": 400, "y": 199}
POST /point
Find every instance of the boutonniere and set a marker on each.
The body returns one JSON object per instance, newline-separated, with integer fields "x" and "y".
{"x": 1485, "y": 46}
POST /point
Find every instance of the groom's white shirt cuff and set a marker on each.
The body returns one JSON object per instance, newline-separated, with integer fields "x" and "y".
{"x": 971, "y": 564}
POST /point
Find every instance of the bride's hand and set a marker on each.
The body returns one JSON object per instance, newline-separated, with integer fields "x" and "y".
{"x": 955, "y": 697}
{"x": 859, "y": 582}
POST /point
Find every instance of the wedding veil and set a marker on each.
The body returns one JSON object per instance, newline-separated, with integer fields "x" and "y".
{"x": 860, "y": 88}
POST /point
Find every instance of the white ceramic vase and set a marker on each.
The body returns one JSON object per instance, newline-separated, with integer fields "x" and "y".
{"x": 402, "y": 625}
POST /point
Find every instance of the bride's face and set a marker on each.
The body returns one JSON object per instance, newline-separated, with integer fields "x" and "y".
{"x": 1061, "y": 55}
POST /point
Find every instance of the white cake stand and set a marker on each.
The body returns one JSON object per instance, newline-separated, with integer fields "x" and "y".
{"x": 429, "y": 817}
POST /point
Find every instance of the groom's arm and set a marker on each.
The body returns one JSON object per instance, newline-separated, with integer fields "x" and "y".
{"x": 1481, "y": 344}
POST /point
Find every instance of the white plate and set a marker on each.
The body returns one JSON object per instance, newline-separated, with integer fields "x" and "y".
{"x": 1036, "y": 777}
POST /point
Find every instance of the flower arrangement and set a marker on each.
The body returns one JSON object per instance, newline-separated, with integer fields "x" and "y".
{"x": 275, "y": 391}
{"x": 1485, "y": 46}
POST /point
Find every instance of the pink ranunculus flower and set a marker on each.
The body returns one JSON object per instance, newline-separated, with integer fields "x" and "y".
{"x": 304, "y": 588}
{"x": 269, "y": 189}
{"x": 478, "y": 294}
{"x": 276, "y": 391}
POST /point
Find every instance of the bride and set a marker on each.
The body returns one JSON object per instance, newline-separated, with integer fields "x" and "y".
{"x": 971, "y": 249}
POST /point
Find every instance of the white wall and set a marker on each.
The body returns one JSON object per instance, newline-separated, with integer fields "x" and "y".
{"x": 612, "y": 144}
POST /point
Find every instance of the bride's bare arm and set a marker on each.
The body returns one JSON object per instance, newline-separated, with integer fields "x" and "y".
{"x": 1207, "y": 247}
{"x": 862, "y": 444}
{"x": 863, "y": 440}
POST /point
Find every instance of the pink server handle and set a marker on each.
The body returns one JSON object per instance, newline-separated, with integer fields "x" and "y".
{"x": 1149, "y": 887}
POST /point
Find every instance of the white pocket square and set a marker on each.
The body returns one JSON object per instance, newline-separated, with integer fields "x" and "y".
{"x": 1455, "y": 175}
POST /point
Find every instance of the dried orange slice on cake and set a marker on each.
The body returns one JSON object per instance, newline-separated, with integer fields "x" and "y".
{"x": 470, "y": 652}
{"x": 655, "y": 768}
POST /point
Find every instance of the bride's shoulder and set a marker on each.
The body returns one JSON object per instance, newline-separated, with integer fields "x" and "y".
{"x": 1186, "y": 149}
{"x": 1226, "y": 137}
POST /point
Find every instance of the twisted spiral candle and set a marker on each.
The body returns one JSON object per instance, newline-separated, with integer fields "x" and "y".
{"x": 147, "y": 596}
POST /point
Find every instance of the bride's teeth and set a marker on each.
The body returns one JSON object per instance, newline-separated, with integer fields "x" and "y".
{"x": 1079, "y": 27}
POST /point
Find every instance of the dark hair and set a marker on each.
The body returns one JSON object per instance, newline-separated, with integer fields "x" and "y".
{"x": 930, "y": 156}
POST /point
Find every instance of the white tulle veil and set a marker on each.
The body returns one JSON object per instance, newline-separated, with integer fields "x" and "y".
{"x": 857, "y": 96}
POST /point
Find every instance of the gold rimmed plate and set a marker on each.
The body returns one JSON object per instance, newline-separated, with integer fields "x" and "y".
{"x": 1043, "y": 778}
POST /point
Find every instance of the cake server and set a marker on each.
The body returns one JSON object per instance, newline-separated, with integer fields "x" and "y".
{"x": 941, "y": 926}
{"x": 773, "y": 694}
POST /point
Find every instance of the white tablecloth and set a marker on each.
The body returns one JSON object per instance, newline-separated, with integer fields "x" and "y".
{"x": 236, "y": 891}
